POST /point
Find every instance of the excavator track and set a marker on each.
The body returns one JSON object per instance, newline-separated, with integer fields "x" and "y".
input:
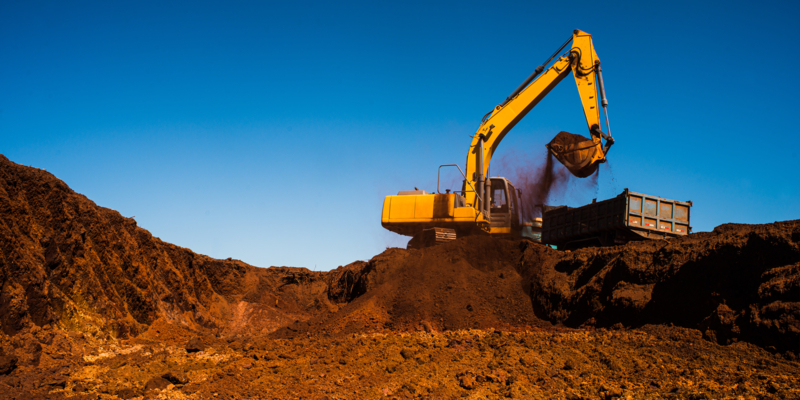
{"x": 431, "y": 237}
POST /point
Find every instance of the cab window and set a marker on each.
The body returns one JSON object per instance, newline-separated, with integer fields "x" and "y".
{"x": 499, "y": 198}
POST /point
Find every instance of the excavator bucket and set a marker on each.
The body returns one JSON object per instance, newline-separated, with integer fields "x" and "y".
{"x": 580, "y": 155}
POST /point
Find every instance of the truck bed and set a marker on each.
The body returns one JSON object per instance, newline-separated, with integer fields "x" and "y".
{"x": 628, "y": 216}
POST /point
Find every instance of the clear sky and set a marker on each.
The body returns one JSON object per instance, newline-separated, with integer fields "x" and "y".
{"x": 271, "y": 131}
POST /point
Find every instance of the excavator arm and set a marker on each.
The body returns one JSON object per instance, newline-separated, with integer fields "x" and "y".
{"x": 436, "y": 217}
{"x": 580, "y": 158}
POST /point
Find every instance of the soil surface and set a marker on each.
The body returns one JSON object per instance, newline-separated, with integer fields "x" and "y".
{"x": 93, "y": 306}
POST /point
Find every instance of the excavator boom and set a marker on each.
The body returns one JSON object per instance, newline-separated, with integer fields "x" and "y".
{"x": 580, "y": 157}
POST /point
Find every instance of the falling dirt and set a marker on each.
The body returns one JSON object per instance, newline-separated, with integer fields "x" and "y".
{"x": 548, "y": 183}
{"x": 539, "y": 184}
{"x": 95, "y": 307}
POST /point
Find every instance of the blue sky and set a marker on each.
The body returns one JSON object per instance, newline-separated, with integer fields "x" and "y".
{"x": 271, "y": 131}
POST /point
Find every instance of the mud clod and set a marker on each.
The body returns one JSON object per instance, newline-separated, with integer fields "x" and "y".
{"x": 177, "y": 378}
{"x": 7, "y": 364}
{"x": 195, "y": 344}
{"x": 156, "y": 382}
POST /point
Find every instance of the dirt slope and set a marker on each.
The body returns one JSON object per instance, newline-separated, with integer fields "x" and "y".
{"x": 66, "y": 261}
{"x": 739, "y": 282}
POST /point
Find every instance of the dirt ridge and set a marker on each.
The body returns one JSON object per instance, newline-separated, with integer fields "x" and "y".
{"x": 66, "y": 262}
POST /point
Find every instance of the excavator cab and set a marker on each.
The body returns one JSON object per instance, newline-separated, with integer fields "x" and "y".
{"x": 504, "y": 214}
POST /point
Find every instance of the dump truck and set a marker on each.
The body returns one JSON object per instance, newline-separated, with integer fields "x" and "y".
{"x": 626, "y": 217}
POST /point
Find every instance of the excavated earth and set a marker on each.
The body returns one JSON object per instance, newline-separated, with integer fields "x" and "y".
{"x": 94, "y": 307}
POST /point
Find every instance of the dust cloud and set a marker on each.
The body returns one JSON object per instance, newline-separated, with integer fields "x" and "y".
{"x": 544, "y": 181}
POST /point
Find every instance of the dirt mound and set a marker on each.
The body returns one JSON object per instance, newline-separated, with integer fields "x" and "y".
{"x": 469, "y": 283}
{"x": 739, "y": 282}
{"x": 66, "y": 262}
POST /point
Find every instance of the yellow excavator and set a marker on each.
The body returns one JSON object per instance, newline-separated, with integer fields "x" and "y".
{"x": 491, "y": 205}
